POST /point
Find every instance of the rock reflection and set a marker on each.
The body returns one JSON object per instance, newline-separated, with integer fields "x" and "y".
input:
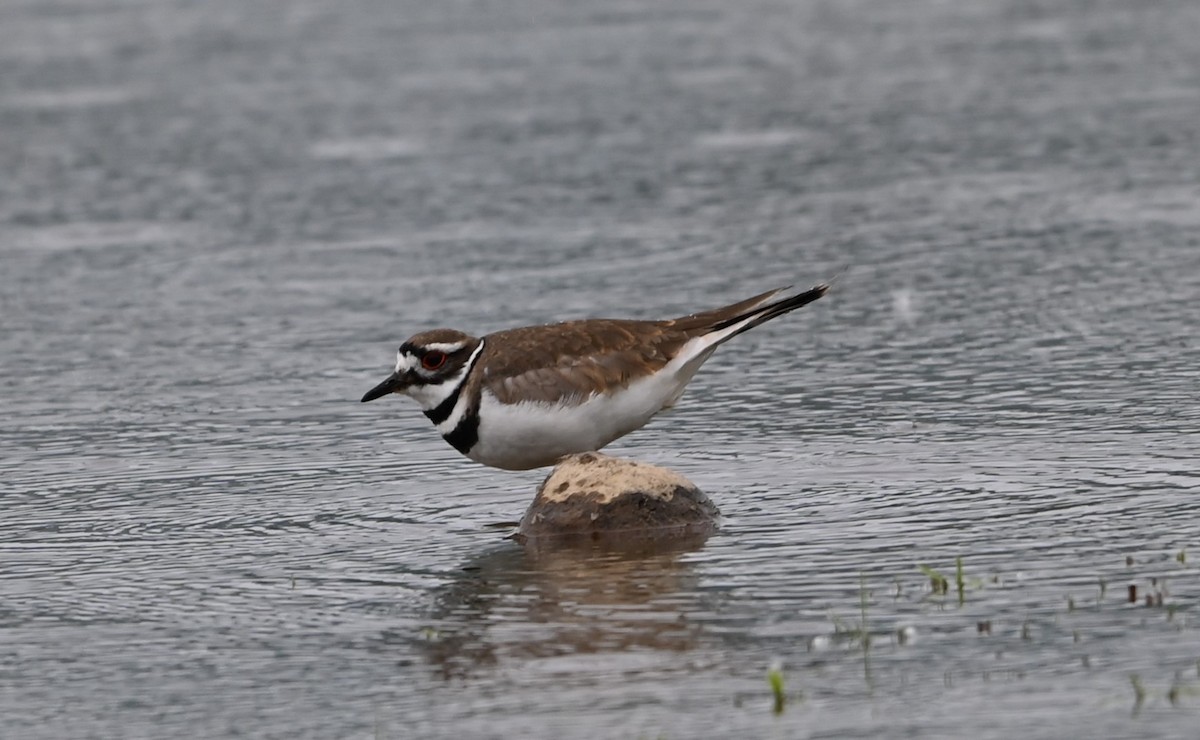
{"x": 515, "y": 603}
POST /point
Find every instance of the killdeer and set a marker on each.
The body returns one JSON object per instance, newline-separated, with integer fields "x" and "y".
{"x": 523, "y": 398}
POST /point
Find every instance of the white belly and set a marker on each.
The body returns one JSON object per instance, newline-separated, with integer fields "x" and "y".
{"x": 531, "y": 435}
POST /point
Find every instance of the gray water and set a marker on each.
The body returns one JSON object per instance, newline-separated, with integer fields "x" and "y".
{"x": 219, "y": 219}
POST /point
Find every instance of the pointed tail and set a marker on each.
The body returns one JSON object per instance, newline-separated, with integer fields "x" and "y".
{"x": 763, "y": 314}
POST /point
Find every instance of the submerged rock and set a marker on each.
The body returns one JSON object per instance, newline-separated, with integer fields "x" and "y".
{"x": 594, "y": 497}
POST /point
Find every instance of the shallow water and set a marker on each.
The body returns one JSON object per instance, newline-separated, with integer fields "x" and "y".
{"x": 218, "y": 220}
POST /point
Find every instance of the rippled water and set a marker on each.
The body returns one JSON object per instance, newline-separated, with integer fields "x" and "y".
{"x": 217, "y": 221}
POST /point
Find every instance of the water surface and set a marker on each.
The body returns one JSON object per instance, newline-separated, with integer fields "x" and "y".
{"x": 218, "y": 220}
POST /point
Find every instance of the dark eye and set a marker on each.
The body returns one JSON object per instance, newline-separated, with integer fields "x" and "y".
{"x": 433, "y": 360}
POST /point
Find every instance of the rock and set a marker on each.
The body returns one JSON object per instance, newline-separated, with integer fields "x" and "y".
{"x": 591, "y": 497}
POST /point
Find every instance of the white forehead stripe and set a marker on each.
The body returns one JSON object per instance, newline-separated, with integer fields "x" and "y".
{"x": 404, "y": 362}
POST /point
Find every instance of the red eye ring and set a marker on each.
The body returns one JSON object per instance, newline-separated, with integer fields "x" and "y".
{"x": 433, "y": 360}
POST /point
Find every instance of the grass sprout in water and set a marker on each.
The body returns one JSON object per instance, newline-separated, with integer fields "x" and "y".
{"x": 1139, "y": 692}
{"x": 775, "y": 679}
{"x": 940, "y": 584}
{"x": 859, "y": 633}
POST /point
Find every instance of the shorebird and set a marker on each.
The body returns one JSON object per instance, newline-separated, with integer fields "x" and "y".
{"x": 523, "y": 398}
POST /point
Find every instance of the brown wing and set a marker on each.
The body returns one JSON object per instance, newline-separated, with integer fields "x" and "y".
{"x": 574, "y": 359}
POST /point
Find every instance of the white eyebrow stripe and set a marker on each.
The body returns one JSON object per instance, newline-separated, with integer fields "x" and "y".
{"x": 448, "y": 348}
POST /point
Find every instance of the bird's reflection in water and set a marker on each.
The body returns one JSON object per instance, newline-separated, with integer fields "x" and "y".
{"x": 519, "y": 602}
